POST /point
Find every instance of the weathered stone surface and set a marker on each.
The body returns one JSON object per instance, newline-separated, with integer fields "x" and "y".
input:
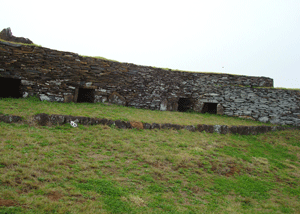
{"x": 68, "y": 98}
{"x": 103, "y": 121}
{"x": 10, "y": 118}
{"x": 111, "y": 123}
{"x": 176, "y": 127}
{"x": 120, "y": 124}
{"x": 25, "y": 94}
{"x": 42, "y": 119}
{"x": 217, "y": 128}
{"x": 164, "y": 105}
{"x": 147, "y": 126}
{"x": 44, "y": 97}
{"x": 57, "y": 119}
{"x": 165, "y": 126}
{"x": 263, "y": 119}
{"x": 69, "y": 118}
{"x": 190, "y": 128}
{"x": 233, "y": 129}
{"x": 220, "y": 109}
{"x": 206, "y": 128}
{"x": 224, "y": 129}
{"x": 26, "y": 82}
{"x": 116, "y": 99}
{"x": 198, "y": 105}
{"x": 155, "y": 126}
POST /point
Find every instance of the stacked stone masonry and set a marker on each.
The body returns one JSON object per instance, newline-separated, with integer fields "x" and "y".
{"x": 63, "y": 77}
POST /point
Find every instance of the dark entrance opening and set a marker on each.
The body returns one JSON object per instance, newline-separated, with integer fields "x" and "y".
{"x": 210, "y": 108}
{"x": 10, "y": 88}
{"x": 184, "y": 104}
{"x": 86, "y": 95}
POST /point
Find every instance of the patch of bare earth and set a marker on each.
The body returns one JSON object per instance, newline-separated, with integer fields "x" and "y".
{"x": 55, "y": 196}
{"x": 229, "y": 170}
{"x": 7, "y": 203}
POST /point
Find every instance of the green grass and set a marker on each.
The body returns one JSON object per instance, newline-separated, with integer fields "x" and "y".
{"x": 26, "y": 108}
{"x": 100, "y": 57}
{"x": 99, "y": 169}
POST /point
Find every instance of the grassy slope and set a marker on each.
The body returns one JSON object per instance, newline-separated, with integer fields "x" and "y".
{"x": 98, "y": 169}
{"x": 26, "y": 109}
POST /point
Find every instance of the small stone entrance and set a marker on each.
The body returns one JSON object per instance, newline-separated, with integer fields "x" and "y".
{"x": 184, "y": 104}
{"x": 86, "y": 95}
{"x": 10, "y": 88}
{"x": 209, "y": 108}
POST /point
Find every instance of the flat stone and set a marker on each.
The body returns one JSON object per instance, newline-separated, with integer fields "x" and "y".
{"x": 163, "y": 105}
{"x": 116, "y": 99}
{"x": 88, "y": 84}
{"x": 10, "y": 118}
{"x": 239, "y": 100}
{"x": 263, "y": 119}
{"x": 190, "y": 128}
{"x": 10, "y": 44}
{"x": 120, "y": 124}
{"x": 155, "y": 126}
{"x": 217, "y": 129}
{"x": 147, "y": 126}
{"x": 42, "y": 119}
{"x": 25, "y": 94}
{"x": 44, "y": 97}
{"x": 57, "y": 119}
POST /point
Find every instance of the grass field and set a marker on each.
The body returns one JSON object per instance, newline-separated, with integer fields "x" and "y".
{"x": 100, "y": 169}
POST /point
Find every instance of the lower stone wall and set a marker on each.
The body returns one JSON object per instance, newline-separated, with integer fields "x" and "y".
{"x": 54, "y": 119}
{"x": 277, "y": 106}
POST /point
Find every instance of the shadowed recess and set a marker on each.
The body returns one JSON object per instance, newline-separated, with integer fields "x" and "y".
{"x": 10, "y": 87}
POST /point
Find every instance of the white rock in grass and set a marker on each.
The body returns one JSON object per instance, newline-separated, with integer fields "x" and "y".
{"x": 73, "y": 124}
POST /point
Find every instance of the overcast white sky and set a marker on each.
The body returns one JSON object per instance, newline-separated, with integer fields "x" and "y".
{"x": 247, "y": 37}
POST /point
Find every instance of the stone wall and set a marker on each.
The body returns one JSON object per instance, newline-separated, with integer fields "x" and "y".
{"x": 62, "y": 76}
{"x": 277, "y": 106}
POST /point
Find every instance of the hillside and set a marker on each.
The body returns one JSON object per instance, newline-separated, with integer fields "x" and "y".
{"x": 102, "y": 169}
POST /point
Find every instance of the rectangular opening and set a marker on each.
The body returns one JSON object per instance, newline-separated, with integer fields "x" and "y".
{"x": 10, "y": 88}
{"x": 184, "y": 104}
{"x": 210, "y": 108}
{"x": 86, "y": 95}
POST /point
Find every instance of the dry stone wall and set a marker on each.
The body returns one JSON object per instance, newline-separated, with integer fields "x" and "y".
{"x": 65, "y": 77}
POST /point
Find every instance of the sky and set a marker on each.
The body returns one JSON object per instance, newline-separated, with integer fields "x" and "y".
{"x": 253, "y": 38}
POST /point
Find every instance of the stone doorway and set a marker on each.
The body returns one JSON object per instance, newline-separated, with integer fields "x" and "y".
{"x": 184, "y": 104}
{"x": 210, "y": 108}
{"x": 10, "y": 88}
{"x": 86, "y": 95}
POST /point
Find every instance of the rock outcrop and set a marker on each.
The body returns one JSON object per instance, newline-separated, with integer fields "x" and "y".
{"x": 6, "y": 34}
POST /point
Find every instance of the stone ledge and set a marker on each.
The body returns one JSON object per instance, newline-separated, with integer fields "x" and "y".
{"x": 10, "y": 118}
{"x": 56, "y": 119}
